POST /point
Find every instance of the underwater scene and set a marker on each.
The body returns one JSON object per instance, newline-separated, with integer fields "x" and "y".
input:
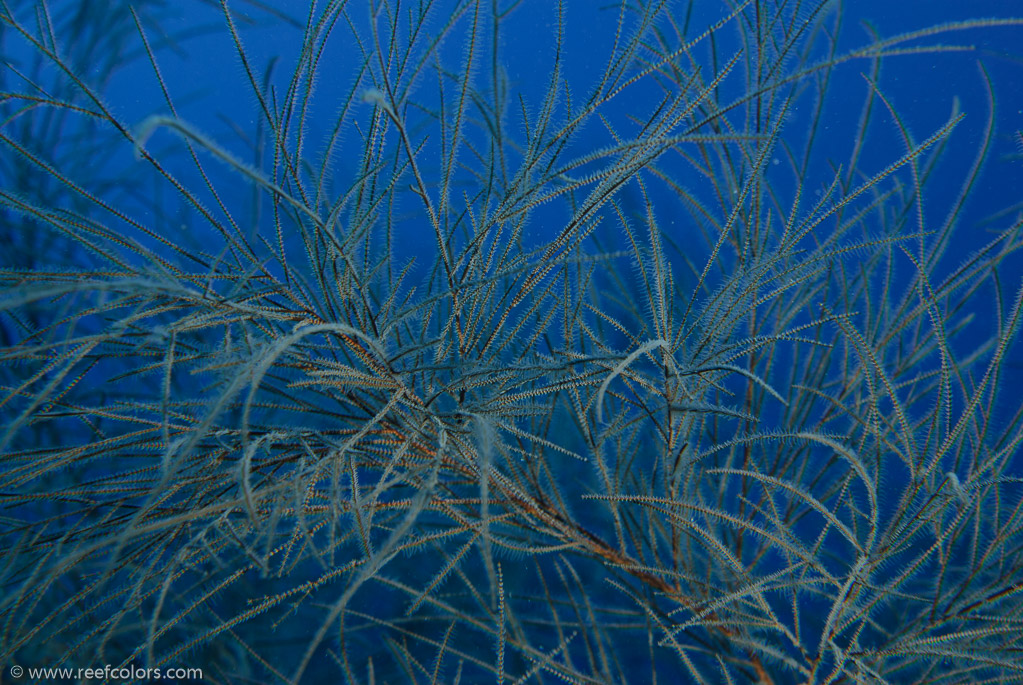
{"x": 511, "y": 341}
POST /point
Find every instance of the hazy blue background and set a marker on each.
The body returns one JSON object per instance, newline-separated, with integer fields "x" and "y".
{"x": 209, "y": 85}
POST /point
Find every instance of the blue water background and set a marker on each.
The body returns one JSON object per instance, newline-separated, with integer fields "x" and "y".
{"x": 212, "y": 92}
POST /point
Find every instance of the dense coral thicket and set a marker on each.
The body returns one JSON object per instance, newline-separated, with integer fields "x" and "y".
{"x": 439, "y": 377}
